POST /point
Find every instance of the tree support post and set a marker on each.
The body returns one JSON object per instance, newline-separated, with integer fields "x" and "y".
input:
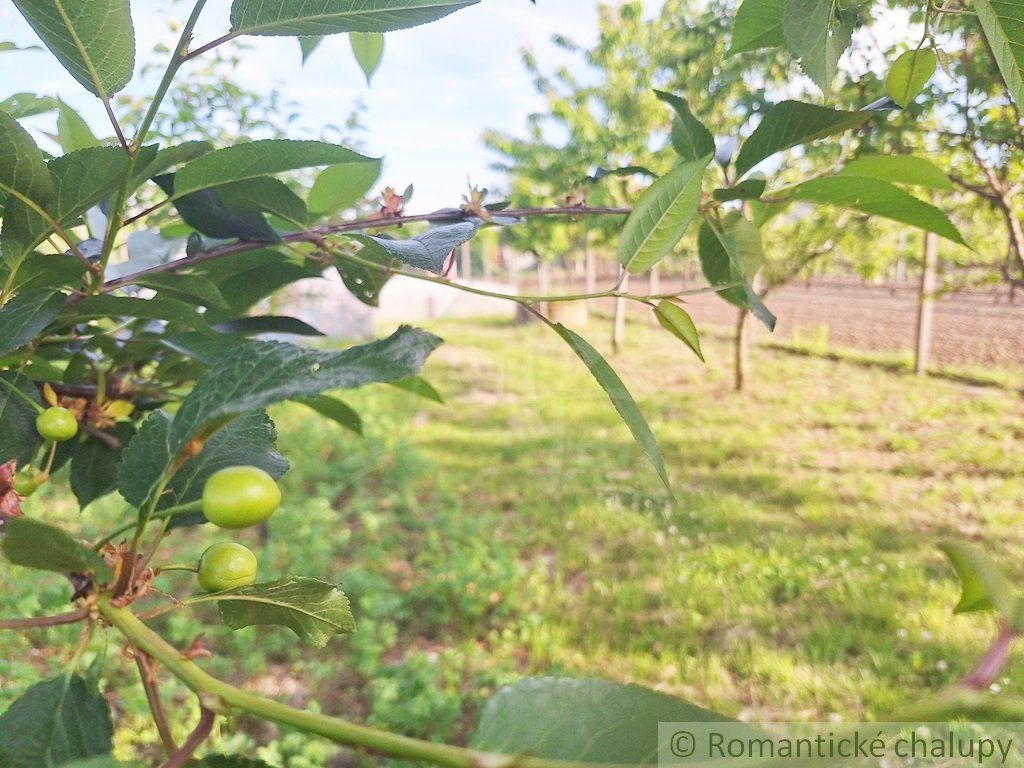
{"x": 926, "y": 304}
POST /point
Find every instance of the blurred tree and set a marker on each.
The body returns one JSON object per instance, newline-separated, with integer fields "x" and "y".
{"x": 611, "y": 118}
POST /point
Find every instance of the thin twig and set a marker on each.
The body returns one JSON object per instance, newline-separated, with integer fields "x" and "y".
{"x": 992, "y": 663}
{"x": 317, "y": 234}
{"x": 201, "y": 732}
{"x": 146, "y": 211}
{"x": 117, "y": 126}
{"x": 210, "y": 45}
{"x": 44, "y": 621}
{"x": 147, "y": 673}
{"x": 106, "y": 438}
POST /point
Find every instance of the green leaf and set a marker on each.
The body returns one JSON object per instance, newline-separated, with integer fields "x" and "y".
{"x": 24, "y": 316}
{"x": 82, "y": 179}
{"x": 337, "y": 411}
{"x": 255, "y": 275}
{"x": 419, "y": 386}
{"x": 750, "y": 188}
{"x": 207, "y": 212}
{"x": 790, "y": 123}
{"x": 168, "y": 158}
{"x": 72, "y": 131}
{"x": 259, "y": 158}
{"x": 18, "y": 418}
{"x": 94, "y": 466}
{"x": 308, "y": 44}
{"x": 252, "y": 326}
{"x": 34, "y": 544}
{"x": 144, "y": 459}
{"x": 314, "y": 610}
{"x": 6, "y": 46}
{"x": 368, "y": 48}
{"x": 818, "y": 32}
{"x": 27, "y": 105}
{"x": 266, "y": 194}
{"x": 157, "y": 308}
{"x": 258, "y": 374}
{"x": 22, "y": 167}
{"x": 1002, "y": 21}
{"x": 619, "y": 395}
{"x": 721, "y": 263}
{"x": 427, "y": 251}
{"x": 984, "y": 585}
{"x": 661, "y": 216}
{"x": 48, "y": 271}
{"x": 899, "y": 169}
{"x": 342, "y": 186}
{"x": 196, "y": 288}
{"x": 329, "y": 17}
{"x": 254, "y": 374}
{"x": 690, "y": 138}
{"x": 366, "y": 283}
{"x": 678, "y": 322}
{"x": 879, "y": 198}
{"x": 583, "y": 720}
{"x": 250, "y": 440}
{"x": 93, "y": 39}
{"x": 733, "y": 256}
{"x": 758, "y": 24}
{"x": 909, "y": 74}
{"x": 54, "y": 723}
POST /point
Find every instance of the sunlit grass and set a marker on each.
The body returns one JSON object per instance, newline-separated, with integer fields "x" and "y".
{"x": 518, "y": 530}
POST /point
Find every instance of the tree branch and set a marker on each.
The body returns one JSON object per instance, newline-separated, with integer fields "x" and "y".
{"x": 117, "y": 126}
{"x": 992, "y": 663}
{"x": 44, "y": 621}
{"x": 216, "y": 693}
{"x": 147, "y": 674}
{"x": 202, "y": 731}
{"x": 107, "y": 439}
{"x": 317, "y": 234}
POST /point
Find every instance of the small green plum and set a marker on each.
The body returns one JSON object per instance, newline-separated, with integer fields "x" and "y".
{"x": 225, "y": 566}
{"x": 238, "y": 497}
{"x": 25, "y": 484}
{"x": 57, "y": 424}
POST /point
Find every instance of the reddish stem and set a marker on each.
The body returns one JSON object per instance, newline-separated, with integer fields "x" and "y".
{"x": 993, "y": 661}
{"x": 44, "y": 621}
{"x": 317, "y": 234}
{"x": 201, "y": 732}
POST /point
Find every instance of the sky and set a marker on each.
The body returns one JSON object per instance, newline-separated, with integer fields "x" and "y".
{"x": 439, "y": 86}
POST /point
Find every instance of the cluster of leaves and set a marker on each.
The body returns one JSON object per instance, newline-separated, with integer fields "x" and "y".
{"x": 155, "y": 355}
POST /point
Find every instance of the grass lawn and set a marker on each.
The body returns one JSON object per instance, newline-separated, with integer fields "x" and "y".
{"x": 517, "y": 530}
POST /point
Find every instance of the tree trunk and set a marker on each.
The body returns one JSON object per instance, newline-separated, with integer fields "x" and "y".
{"x": 543, "y": 284}
{"x": 653, "y": 289}
{"x": 466, "y": 268}
{"x": 619, "y": 319}
{"x": 654, "y": 282}
{"x": 744, "y": 339}
{"x": 741, "y": 350}
{"x": 926, "y": 304}
{"x": 591, "y": 267}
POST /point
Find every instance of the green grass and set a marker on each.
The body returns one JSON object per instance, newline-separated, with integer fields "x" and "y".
{"x": 519, "y": 531}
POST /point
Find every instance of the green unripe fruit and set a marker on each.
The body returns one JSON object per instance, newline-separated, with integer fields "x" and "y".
{"x": 225, "y": 566}
{"x": 237, "y": 497}
{"x": 25, "y": 485}
{"x": 57, "y": 424}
